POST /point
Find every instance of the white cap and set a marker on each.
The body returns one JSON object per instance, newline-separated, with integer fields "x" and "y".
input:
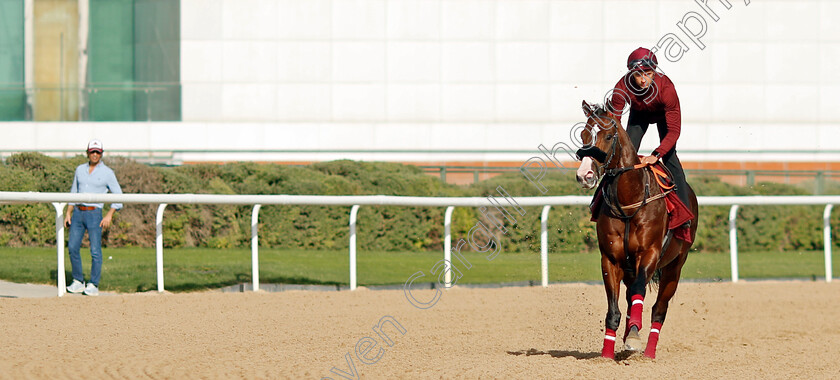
{"x": 95, "y": 145}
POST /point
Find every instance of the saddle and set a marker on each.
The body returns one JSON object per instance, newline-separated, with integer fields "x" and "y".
{"x": 678, "y": 212}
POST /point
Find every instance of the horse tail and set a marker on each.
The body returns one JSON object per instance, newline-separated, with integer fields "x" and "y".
{"x": 653, "y": 285}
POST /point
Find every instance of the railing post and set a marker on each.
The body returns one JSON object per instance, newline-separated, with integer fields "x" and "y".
{"x": 827, "y": 243}
{"x": 544, "y": 245}
{"x": 447, "y": 245}
{"x": 255, "y": 248}
{"x": 59, "y": 244}
{"x": 820, "y": 182}
{"x": 750, "y": 178}
{"x": 353, "y": 212}
{"x": 159, "y": 245}
{"x": 733, "y": 242}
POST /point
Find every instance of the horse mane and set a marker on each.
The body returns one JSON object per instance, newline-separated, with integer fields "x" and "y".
{"x": 599, "y": 111}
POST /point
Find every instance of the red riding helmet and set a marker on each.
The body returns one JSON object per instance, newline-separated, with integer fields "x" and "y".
{"x": 641, "y": 59}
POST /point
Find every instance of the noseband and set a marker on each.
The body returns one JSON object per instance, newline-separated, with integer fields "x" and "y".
{"x": 598, "y": 154}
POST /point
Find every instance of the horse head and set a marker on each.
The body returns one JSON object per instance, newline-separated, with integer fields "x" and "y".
{"x": 599, "y": 137}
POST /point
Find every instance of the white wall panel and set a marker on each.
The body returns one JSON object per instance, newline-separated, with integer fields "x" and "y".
{"x": 358, "y": 102}
{"x": 304, "y": 61}
{"x": 249, "y": 61}
{"x": 249, "y": 19}
{"x": 414, "y": 19}
{"x": 450, "y": 136}
{"x": 738, "y": 102}
{"x": 468, "y": 102}
{"x": 201, "y": 61}
{"x": 522, "y": 20}
{"x": 468, "y": 19}
{"x": 401, "y": 136}
{"x": 251, "y": 102}
{"x": 201, "y": 20}
{"x": 573, "y": 62}
{"x": 292, "y": 136}
{"x": 829, "y": 28}
{"x": 631, "y": 20}
{"x": 739, "y": 62}
{"x": 505, "y": 136}
{"x": 828, "y": 104}
{"x": 695, "y": 103}
{"x": 784, "y": 67}
{"x": 576, "y": 20}
{"x": 358, "y": 19}
{"x": 694, "y": 68}
{"x": 523, "y": 102}
{"x": 829, "y": 69}
{"x": 566, "y": 100}
{"x": 615, "y": 60}
{"x": 201, "y": 101}
{"x": 791, "y": 103}
{"x": 522, "y": 61}
{"x": 346, "y": 136}
{"x": 358, "y": 62}
{"x": 309, "y": 19}
{"x": 413, "y": 102}
{"x": 797, "y": 20}
{"x": 414, "y": 62}
{"x": 304, "y": 102}
{"x": 468, "y": 62}
{"x": 793, "y": 139}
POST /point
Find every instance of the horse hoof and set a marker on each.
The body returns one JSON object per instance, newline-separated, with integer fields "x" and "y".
{"x": 633, "y": 342}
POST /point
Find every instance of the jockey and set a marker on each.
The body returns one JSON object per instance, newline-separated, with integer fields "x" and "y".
{"x": 652, "y": 99}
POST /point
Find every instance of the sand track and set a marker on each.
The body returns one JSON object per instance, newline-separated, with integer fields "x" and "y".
{"x": 721, "y": 330}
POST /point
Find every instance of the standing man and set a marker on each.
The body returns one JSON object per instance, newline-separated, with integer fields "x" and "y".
{"x": 92, "y": 177}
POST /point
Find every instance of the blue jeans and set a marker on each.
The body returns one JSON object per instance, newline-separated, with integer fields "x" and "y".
{"x": 79, "y": 222}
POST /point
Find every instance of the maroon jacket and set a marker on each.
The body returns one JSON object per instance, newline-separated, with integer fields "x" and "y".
{"x": 659, "y": 102}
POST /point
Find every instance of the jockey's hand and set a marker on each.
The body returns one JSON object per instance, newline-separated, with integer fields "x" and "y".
{"x": 650, "y": 160}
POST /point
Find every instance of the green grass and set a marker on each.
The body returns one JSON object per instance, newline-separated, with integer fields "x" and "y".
{"x": 133, "y": 269}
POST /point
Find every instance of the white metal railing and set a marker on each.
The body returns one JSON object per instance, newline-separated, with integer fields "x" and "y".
{"x": 59, "y": 200}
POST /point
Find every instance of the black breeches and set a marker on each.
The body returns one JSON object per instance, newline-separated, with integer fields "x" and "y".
{"x": 670, "y": 159}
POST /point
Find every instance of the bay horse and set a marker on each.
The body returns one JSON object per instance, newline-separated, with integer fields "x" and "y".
{"x": 632, "y": 229}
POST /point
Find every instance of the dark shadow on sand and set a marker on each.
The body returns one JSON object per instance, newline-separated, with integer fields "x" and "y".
{"x": 557, "y": 353}
{"x": 619, "y": 356}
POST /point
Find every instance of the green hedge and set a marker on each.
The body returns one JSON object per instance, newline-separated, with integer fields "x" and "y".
{"x": 380, "y": 228}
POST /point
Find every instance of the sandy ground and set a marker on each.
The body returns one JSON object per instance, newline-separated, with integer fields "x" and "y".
{"x": 780, "y": 330}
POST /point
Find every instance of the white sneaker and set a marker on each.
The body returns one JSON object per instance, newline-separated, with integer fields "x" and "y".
{"x": 91, "y": 290}
{"x": 76, "y": 287}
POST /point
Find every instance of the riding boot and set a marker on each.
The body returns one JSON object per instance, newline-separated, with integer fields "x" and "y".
{"x": 672, "y": 162}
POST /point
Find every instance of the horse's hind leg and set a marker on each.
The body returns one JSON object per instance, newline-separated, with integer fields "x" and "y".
{"x": 667, "y": 288}
{"x": 612, "y": 274}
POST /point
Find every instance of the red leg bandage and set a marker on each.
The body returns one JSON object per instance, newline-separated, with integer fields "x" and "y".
{"x": 609, "y": 344}
{"x": 637, "y": 304}
{"x": 626, "y": 327}
{"x": 653, "y": 339}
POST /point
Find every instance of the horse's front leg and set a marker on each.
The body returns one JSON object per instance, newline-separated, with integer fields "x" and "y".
{"x": 612, "y": 274}
{"x": 645, "y": 267}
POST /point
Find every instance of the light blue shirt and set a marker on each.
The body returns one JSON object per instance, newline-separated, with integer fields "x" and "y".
{"x": 99, "y": 181}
